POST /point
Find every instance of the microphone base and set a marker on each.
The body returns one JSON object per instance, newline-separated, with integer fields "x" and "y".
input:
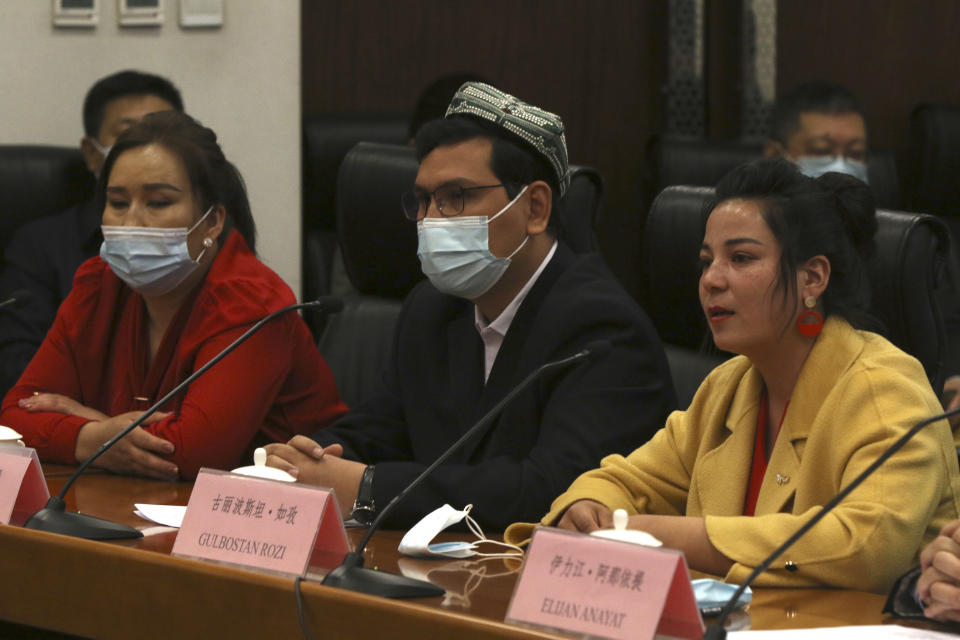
{"x": 380, "y": 583}
{"x": 54, "y": 518}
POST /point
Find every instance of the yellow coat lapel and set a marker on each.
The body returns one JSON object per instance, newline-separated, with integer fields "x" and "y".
{"x": 830, "y": 357}
{"x": 722, "y": 474}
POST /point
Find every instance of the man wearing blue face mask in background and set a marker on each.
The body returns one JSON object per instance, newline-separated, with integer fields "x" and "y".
{"x": 820, "y": 127}
{"x": 503, "y": 297}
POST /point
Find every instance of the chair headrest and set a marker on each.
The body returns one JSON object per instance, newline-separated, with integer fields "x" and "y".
{"x": 671, "y": 246}
{"x": 37, "y": 180}
{"x": 378, "y": 243}
{"x": 686, "y": 160}
{"x": 908, "y": 270}
{"x": 326, "y": 140}
{"x": 580, "y": 209}
{"x": 935, "y": 159}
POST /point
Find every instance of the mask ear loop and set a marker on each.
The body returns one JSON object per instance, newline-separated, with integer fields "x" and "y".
{"x": 207, "y": 242}
{"x": 515, "y": 551}
{"x": 509, "y": 204}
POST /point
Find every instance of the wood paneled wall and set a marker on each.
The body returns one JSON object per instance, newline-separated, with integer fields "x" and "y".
{"x": 600, "y": 64}
{"x": 893, "y": 54}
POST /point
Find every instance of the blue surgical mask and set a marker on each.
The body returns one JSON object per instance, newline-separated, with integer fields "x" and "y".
{"x": 455, "y": 253}
{"x": 151, "y": 260}
{"x": 816, "y": 166}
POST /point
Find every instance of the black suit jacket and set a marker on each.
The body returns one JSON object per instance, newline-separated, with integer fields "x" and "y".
{"x": 42, "y": 257}
{"x": 433, "y": 391}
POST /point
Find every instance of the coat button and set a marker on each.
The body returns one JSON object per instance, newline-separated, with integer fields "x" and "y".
{"x": 790, "y": 566}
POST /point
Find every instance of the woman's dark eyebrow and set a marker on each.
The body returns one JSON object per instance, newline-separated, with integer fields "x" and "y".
{"x": 733, "y": 241}
{"x": 161, "y": 185}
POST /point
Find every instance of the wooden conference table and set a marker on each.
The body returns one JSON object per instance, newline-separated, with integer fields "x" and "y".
{"x": 136, "y": 589}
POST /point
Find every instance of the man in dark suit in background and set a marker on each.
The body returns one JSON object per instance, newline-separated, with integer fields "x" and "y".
{"x": 503, "y": 297}
{"x": 43, "y": 255}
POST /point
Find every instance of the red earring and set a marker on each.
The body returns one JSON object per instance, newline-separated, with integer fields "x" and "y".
{"x": 810, "y": 323}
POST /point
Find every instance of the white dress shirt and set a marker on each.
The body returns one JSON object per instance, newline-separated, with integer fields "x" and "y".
{"x": 492, "y": 333}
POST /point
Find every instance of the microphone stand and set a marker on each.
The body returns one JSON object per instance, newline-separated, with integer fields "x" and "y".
{"x": 716, "y": 631}
{"x": 353, "y": 576}
{"x": 54, "y": 517}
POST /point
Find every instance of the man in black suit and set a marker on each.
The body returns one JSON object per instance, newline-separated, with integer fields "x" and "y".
{"x": 503, "y": 297}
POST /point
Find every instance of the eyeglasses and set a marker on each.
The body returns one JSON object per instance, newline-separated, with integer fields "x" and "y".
{"x": 448, "y": 198}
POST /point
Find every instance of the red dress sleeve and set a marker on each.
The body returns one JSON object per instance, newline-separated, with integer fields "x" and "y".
{"x": 55, "y": 368}
{"x": 223, "y": 410}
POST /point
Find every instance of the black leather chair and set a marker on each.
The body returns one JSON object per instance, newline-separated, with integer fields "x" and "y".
{"x": 37, "y": 180}
{"x": 932, "y": 171}
{"x": 907, "y": 275}
{"x": 326, "y": 140}
{"x": 685, "y": 160}
{"x": 379, "y": 249}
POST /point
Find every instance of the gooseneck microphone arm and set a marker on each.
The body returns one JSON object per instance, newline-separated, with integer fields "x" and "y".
{"x": 54, "y": 517}
{"x": 716, "y": 631}
{"x": 352, "y": 576}
{"x": 17, "y": 299}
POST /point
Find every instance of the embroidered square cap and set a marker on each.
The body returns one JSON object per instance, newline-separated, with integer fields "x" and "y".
{"x": 537, "y": 127}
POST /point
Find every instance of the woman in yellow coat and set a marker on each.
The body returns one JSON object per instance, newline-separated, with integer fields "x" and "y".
{"x": 775, "y": 433}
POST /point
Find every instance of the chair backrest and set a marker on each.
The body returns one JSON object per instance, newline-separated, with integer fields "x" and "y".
{"x": 908, "y": 274}
{"x": 37, "y": 180}
{"x": 685, "y": 160}
{"x": 379, "y": 250}
{"x": 933, "y": 160}
{"x": 580, "y": 209}
{"x": 379, "y": 245}
{"x": 356, "y": 344}
{"x": 326, "y": 140}
{"x": 671, "y": 248}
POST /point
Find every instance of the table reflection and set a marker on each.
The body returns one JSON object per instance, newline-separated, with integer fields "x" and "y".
{"x": 460, "y": 578}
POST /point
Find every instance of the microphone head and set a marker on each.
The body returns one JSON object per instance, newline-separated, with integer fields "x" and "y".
{"x": 330, "y": 304}
{"x": 598, "y": 349}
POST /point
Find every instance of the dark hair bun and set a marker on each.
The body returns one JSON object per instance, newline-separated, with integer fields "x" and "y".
{"x": 856, "y": 207}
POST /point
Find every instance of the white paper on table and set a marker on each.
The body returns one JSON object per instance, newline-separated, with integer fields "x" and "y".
{"x": 867, "y": 632}
{"x": 168, "y": 515}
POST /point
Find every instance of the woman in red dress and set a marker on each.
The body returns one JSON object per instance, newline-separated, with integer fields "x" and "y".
{"x": 177, "y": 280}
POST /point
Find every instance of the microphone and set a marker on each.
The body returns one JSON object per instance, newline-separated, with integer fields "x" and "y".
{"x": 17, "y": 299}
{"x": 54, "y": 517}
{"x": 716, "y": 631}
{"x": 352, "y": 575}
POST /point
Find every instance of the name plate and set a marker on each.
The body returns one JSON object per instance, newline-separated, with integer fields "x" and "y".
{"x": 260, "y": 523}
{"x": 23, "y": 491}
{"x": 602, "y": 588}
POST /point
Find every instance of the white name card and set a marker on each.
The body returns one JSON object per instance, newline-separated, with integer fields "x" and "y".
{"x": 259, "y": 523}
{"x": 23, "y": 490}
{"x": 602, "y": 588}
